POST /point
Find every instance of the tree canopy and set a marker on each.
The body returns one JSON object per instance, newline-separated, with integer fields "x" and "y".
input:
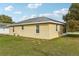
{"x": 72, "y": 18}
{"x": 5, "y": 19}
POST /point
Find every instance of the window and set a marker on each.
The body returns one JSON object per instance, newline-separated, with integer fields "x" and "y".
{"x": 64, "y": 28}
{"x": 22, "y": 27}
{"x": 37, "y": 28}
{"x": 13, "y": 29}
{"x": 56, "y": 27}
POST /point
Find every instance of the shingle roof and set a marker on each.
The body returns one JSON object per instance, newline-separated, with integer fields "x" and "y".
{"x": 37, "y": 20}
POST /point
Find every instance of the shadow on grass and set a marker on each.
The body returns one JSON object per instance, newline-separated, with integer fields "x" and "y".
{"x": 43, "y": 52}
{"x": 72, "y": 35}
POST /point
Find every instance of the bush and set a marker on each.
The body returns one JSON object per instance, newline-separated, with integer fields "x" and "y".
{"x": 72, "y": 35}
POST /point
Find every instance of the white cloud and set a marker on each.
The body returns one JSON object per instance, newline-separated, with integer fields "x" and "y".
{"x": 62, "y": 11}
{"x": 32, "y": 16}
{"x": 34, "y": 5}
{"x": 28, "y": 17}
{"x": 56, "y": 13}
{"x": 48, "y": 14}
{"x": 24, "y": 17}
{"x": 45, "y": 14}
{"x": 9, "y": 8}
{"x": 18, "y": 12}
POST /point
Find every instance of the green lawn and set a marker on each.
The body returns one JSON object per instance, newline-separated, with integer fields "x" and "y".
{"x": 19, "y": 46}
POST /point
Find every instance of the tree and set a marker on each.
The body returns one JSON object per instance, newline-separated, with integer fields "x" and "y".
{"x": 5, "y": 19}
{"x": 72, "y": 18}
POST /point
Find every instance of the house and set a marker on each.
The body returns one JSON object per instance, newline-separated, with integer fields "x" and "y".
{"x": 39, "y": 27}
{"x": 4, "y": 28}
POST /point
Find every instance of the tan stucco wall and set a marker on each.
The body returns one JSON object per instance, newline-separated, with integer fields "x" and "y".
{"x": 47, "y": 31}
{"x": 52, "y": 31}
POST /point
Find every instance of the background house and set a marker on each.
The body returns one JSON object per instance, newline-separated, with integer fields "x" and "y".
{"x": 4, "y": 28}
{"x": 40, "y": 27}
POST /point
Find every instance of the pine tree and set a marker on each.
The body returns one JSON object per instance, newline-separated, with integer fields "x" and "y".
{"x": 72, "y": 18}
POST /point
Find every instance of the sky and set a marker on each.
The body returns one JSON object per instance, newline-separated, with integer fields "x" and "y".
{"x": 24, "y": 11}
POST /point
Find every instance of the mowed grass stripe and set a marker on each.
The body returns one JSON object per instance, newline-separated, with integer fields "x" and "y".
{"x": 21, "y": 46}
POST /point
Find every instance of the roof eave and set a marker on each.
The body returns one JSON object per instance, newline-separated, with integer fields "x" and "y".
{"x": 36, "y": 23}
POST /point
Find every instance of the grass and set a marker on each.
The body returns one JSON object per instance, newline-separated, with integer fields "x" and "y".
{"x": 20, "y": 46}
